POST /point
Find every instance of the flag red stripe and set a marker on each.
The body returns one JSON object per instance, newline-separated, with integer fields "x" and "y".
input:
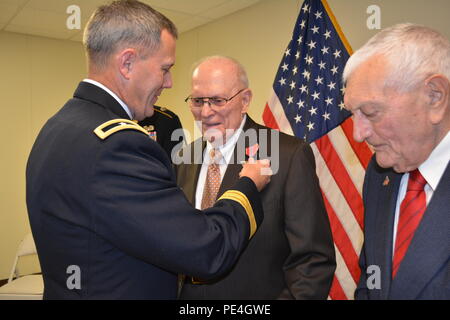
{"x": 343, "y": 242}
{"x": 269, "y": 119}
{"x": 361, "y": 150}
{"x": 336, "y": 292}
{"x": 342, "y": 178}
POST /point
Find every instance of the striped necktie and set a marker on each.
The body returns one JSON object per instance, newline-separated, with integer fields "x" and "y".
{"x": 412, "y": 209}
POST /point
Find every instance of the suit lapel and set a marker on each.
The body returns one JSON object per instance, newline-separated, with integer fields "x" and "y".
{"x": 232, "y": 173}
{"x": 426, "y": 253}
{"x": 384, "y": 228}
{"x": 192, "y": 171}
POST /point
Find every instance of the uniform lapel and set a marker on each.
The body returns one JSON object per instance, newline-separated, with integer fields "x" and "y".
{"x": 90, "y": 92}
{"x": 427, "y": 252}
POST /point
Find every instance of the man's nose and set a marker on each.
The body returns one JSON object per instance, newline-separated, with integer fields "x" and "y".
{"x": 207, "y": 111}
{"x": 361, "y": 128}
{"x": 168, "y": 81}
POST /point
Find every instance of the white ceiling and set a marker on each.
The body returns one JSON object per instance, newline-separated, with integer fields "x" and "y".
{"x": 48, "y": 18}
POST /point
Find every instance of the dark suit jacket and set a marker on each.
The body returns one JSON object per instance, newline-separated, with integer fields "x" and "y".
{"x": 425, "y": 271}
{"x": 292, "y": 254}
{"x": 112, "y": 208}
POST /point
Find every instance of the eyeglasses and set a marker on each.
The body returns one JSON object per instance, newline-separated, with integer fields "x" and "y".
{"x": 198, "y": 102}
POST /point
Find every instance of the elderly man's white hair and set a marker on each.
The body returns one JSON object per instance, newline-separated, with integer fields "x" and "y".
{"x": 413, "y": 52}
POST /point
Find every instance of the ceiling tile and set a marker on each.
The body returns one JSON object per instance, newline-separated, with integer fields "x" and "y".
{"x": 192, "y": 23}
{"x": 173, "y": 15}
{"x": 41, "y": 21}
{"x": 47, "y": 17}
{"x": 62, "y": 5}
{"x": 37, "y": 31}
{"x": 185, "y": 6}
{"x": 18, "y": 3}
{"x": 7, "y": 12}
{"x": 226, "y": 8}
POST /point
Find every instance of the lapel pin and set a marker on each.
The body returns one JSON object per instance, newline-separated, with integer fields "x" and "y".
{"x": 386, "y": 181}
{"x": 251, "y": 151}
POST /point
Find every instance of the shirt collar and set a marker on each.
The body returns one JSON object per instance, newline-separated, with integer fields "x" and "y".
{"x": 433, "y": 168}
{"x": 98, "y": 84}
{"x": 227, "y": 149}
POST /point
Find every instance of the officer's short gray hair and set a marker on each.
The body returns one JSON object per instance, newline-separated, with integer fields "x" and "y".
{"x": 121, "y": 24}
{"x": 413, "y": 52}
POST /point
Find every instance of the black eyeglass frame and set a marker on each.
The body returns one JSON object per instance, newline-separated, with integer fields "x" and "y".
{"x": 211, "y": 98}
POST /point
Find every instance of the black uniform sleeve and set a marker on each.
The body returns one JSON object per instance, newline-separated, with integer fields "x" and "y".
{"x": 140, "y": 210}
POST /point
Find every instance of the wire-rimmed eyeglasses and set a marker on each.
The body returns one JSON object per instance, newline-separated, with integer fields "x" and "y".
{"x": 198, "y": 102}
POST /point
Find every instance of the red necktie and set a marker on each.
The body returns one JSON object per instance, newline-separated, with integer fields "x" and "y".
{"x": 411, "y": 211}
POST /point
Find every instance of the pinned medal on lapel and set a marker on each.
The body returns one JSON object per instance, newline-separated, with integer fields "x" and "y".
{"x": 151, "y": 132}
{"x": 252, "y": 150}
{"x": 386, "y": 181}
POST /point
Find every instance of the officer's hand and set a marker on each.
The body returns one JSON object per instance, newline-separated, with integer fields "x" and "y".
{"x": 257, "y": 170}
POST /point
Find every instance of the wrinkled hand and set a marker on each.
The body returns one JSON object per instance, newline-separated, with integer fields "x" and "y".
{"x": 257, "y": 170}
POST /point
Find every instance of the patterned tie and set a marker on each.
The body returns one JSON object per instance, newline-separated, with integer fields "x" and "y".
{"x": 212, "y": 183}
{"x": 411, "y": 211}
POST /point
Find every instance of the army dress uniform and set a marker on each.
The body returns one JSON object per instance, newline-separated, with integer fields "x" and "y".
{"x": 102, "y": 196}
{"x": 160, "y": 127}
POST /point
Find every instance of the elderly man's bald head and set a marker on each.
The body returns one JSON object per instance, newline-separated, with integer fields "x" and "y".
{"x": 233, "y": 67}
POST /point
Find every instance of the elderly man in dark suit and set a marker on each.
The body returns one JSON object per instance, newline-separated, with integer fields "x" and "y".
{"x": 107, "y": 217}
{"x": 399, "y": 92}
{"x": 292, "y": 254}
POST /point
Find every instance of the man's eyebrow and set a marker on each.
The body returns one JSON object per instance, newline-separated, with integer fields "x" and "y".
{"x": 371, "y": 103}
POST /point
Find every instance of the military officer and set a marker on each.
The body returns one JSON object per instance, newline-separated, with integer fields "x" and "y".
{"x": 106, "y": 214}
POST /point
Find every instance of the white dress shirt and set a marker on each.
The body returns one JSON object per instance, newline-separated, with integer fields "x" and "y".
{"x": 432, "y": 170}
{"x": 98, "y": 84}
{"x": 227, "y": 151}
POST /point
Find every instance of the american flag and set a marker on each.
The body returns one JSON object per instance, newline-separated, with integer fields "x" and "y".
{"x": 307, "y": 101}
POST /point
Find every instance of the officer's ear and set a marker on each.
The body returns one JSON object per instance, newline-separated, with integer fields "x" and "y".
{"x": 126, "y": 60}
{"x": 247, "y": 96}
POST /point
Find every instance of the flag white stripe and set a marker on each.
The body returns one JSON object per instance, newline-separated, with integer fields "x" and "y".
{"x": 348, "y": 157}
{"x": 337, "y": 201}
{"x": 278, "y": 113}
{"x": 343, "y": 276}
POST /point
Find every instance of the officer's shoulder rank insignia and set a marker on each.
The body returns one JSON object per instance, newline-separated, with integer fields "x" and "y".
{"x": 110, "y": 127}
{"x": 164, "y": 111}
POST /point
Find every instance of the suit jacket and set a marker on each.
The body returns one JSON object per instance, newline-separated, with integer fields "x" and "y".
{"x": 292, "y": 254}
{"x": 424, "y": 272}
{"x": 112, "y": 208}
